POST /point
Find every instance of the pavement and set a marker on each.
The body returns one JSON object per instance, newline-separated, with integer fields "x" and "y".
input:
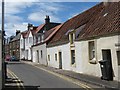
{"x": 114, "y": 85}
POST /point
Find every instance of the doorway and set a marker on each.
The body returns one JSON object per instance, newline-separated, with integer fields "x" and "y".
{"x": 27, "y": 54}
{"x": 60, "y": 60}
{"x": 37, "y": 56}
{"x": 118, "y": 57}
{"x": 106, "y": 55}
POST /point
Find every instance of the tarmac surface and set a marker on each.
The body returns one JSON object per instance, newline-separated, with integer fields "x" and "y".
{"x": 34, "y": 75}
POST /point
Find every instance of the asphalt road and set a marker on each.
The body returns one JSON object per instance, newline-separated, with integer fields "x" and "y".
{"x": 34, "y": 77}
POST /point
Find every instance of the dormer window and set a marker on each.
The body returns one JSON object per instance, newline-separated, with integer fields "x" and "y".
{"x": 71, "y": 37}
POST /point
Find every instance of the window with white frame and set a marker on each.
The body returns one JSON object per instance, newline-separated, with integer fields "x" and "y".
{"x": 30, "y": 40}
{"x": 42, "y": 38}
{"x": 48, "y": 57}
{"x": 71, "y": 38}
{"x": 91, "y": 50}
{"x": 55, "y": 57}
{"x": 72, "y": 56}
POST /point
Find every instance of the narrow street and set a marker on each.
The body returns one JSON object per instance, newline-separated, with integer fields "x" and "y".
{"x": 33, "y": 77}
{"x": 30, "y": 77}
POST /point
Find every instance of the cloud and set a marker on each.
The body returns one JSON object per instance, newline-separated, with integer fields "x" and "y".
{"x": 15, "y": 7}
{"x": 40, "y": 17}
{"x": 13, "y": 20}
{"x": 44, "y": 9}
{"x": 11, "y": 28}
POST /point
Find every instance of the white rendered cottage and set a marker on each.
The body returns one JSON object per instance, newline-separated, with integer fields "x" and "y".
{"x": 101, "y": 42}
{"x": 26, "y": 41}
{"x": 39, "y": 50}
{"x": 61, "y": 49}
{"x": 86, "y": 39}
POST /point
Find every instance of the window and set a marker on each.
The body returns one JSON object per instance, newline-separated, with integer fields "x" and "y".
{"x": 56, "y": 57}
{"x": 39, "y": 39}
{"x": 21, "y": 42}
{"x": 41, "y": 53}
{"x": 71, "y": 38}
{"x": 48, "y": 57}
{"x": 72, "y": 56}
{"x": 118, "y": 57}
{"x": 26, "y": 41}
{"x": 30, "y": 39}
{"x": 35, "y": 40}
{"x": 42, "y": 38}
{"x": 91, "y": 50}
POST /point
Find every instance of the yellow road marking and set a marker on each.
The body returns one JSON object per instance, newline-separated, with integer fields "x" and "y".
{"x": 19, "y": 84}
{"x": 16, "y": 80}
{"x": 67, "y": 78}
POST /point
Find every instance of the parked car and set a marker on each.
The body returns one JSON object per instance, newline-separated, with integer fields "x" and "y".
{"x": 13, "y": 58}
{"x": 7, "y": 58}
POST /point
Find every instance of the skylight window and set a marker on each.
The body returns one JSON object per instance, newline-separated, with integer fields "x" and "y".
{"x": 105, "y": 14}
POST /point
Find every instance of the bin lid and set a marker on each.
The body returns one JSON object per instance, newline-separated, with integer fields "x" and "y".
{"x": 103, "y": 61}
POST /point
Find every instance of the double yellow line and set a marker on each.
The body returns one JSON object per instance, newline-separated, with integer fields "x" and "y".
{"x": 18, "y": 81}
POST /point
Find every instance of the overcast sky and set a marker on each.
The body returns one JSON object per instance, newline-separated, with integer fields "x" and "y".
{"x": 18, "y": 14}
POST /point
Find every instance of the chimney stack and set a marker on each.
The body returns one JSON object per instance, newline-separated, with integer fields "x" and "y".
{"x": 30, "y": 26}
{"x": 17, "y": 32}
{"x": 105, "y": 2}
{"x": 47, "y": 19}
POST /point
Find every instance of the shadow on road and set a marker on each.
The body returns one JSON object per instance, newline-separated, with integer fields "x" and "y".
{"x": 21, "y": 88}
{"x": 12, "y": 80}
{"x": 11, "y": 85}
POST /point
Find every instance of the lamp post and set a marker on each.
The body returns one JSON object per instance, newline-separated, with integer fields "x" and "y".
{"x": 3, "y": 48}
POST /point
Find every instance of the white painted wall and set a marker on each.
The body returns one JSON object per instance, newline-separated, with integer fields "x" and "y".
{"x": 82, "y": 57}
{"x": 109, "y": 43}
{"x": 42, "y": 60}
{"x": 66, "y": 59}
{"x": 22, "y": 47}
{"x": 28, "y": 47}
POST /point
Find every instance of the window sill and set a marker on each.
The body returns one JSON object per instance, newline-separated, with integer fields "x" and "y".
{"x": 73, "y": 65}
{"x": 72, "y": 45}
{"x": 93, "y": 62}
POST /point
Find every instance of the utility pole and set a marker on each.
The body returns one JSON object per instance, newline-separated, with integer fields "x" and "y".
{"x": 3, "y": 48}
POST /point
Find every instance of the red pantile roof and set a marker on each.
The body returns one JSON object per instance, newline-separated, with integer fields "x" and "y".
{"x": 34, "y": 30}
{"x": 105, "y": 23}
{"x": 74, "y": 23}
{"x": 49, "y": 34}
{"x": 40, "y": 27}
{"x": 26, "y": 33}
